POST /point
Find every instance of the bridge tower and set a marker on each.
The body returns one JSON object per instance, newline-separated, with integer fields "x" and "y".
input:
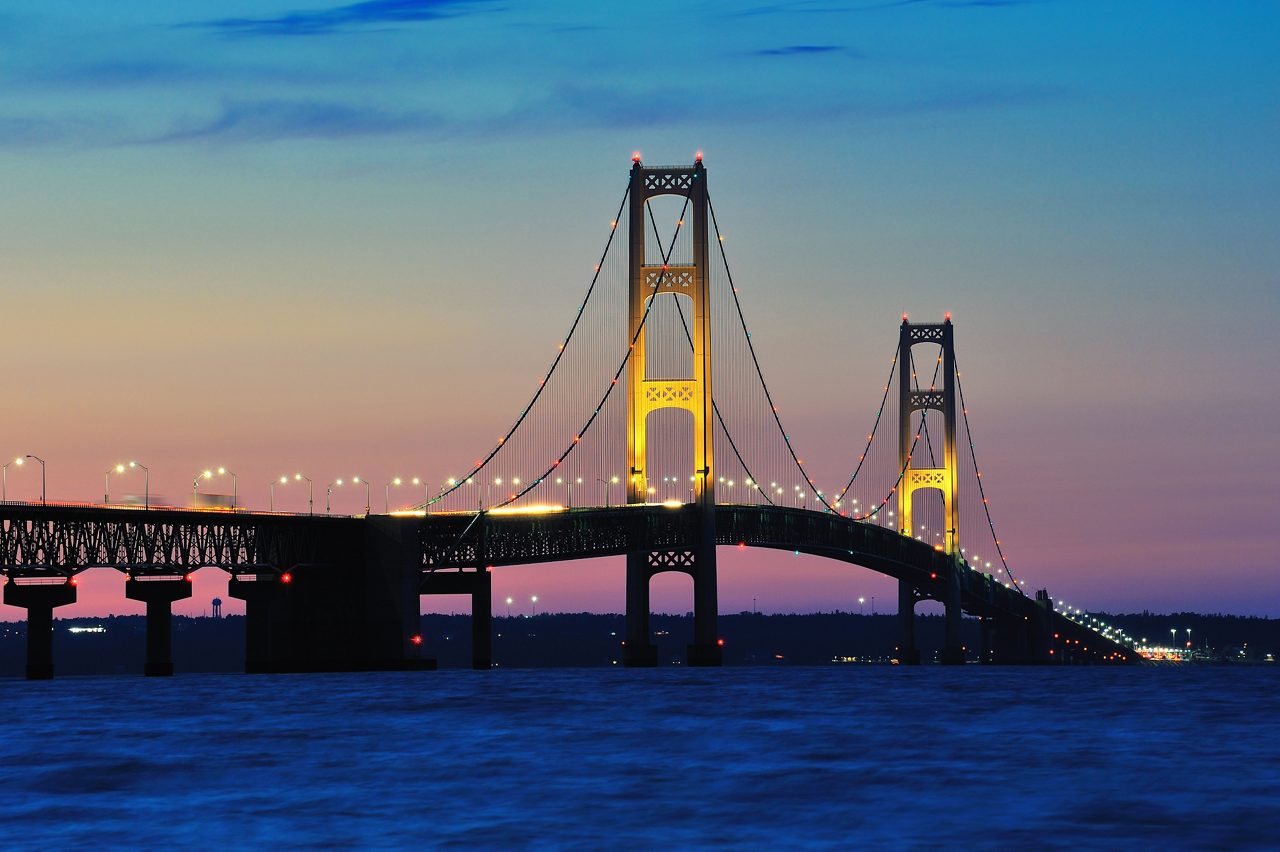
{"x": 915, "y": 477}
{"x": 646, "y": 281}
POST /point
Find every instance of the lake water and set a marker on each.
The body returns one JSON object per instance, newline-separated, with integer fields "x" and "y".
{"x": 746, "y": 757}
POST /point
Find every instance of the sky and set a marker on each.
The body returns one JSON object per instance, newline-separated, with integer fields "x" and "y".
{"x": 346, "y": 237}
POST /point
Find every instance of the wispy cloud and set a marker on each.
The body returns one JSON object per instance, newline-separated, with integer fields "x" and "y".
{"x": 800, "y": 50}
{"x": 370, "y": 13}
{"x": 272, "y": 120}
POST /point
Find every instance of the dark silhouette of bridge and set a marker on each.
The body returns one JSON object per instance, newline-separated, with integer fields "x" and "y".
{"x": 632, "y": 380}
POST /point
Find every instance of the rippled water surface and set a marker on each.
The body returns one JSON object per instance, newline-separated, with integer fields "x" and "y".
{"x": 1173, "y": 757}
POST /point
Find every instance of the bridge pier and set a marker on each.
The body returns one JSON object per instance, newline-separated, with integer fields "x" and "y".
{"x": 266, "y": 617}
{"x": 159, "y": 595}
{"x": 479, "y": 585}
{"x": 908, "y": 652}
{"x": 39, "y": 600}
{"x": 953, "y": 647}
{"x": 639, "y": 652}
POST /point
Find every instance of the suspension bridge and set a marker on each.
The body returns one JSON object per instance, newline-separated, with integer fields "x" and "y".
{"x": 625, "y": 447}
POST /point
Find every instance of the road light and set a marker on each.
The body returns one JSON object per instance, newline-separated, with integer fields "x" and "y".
{"x": 509, "y": 602}
{"x": 210, "y": 474}
{"x": 358, "y": 481}
{"x": 613, "y": 480}
{"x": 121, "y": 468}
{"x": 4, "y": 478}
{"x": 861, "y": 601}
{"x": 311, "y": 491}
{"x": 534, "y": 600}
{"x": 328, "y": 492}
{"x": 397, "y": 482}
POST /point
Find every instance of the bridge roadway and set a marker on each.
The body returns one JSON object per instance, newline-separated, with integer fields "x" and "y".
{"x": 334, "y": 592}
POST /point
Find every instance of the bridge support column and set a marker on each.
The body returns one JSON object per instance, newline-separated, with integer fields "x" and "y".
{"x": 482, "y": 622}
{"x": 705, "y": 650}
{"x": 158, "y": 595}
{"x": 639, "y": 652}
{"x": 39, "y": 600}
{"x": 479, "y": 585}
{"x": 266, "y": 620}
{"x": 908, "y": 653}
{"x": 953, "y": 648}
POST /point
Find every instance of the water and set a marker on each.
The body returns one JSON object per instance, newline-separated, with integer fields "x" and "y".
{"x": 749, "y": 757}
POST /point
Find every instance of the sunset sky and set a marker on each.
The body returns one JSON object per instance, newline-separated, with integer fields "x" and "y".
{"x": 347, "y": 238}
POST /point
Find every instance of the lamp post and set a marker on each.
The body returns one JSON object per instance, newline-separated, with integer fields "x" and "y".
{"x": 534, "y": 600}
{"x": 121, "y": 468}
{"x": 297, "y": 477}
{"x": 861, "y": 601}
{"x": 328, "y": 491}
{"x": 222, "y": 471}
{"x": 358, "y": 481}
{"x": 613, "y": 480}
{"x": 509, "y": 602}
{"x": 4, "y": 478}
{"x": 397, "y": 482}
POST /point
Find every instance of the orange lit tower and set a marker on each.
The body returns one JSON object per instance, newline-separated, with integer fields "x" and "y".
{"x": 646, "y": 281}
{"x": 915, "y": 477}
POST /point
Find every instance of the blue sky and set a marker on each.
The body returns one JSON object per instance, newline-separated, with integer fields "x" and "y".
{"x": 270, "y": 202}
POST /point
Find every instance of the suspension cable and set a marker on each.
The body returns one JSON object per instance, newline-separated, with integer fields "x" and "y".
{"x": 617, "y": 373}
{"x": 715, "y": 408}
{"x": 986, "y": 508}
{"x": 542, "y": 385}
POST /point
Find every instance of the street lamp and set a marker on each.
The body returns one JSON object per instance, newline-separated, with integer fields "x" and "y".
{"x": 534, "y": 601}
{"x": 861, "y": 601}
{"x": 397, "y": 481}
{"x": 509, "y": 602}
{"x": 311, "y": 491}
{"x": 222, "y": 471}
{"x": 4, "y": 478}
{"x": 358, "y": 481}
{"x": 121, "y": 468}
{"x": 613, "y": 480}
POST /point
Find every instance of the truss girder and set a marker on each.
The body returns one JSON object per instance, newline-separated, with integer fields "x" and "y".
{"x": 54, "y": 541}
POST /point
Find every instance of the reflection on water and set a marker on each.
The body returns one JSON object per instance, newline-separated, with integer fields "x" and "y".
{"x": 746, "y": 757}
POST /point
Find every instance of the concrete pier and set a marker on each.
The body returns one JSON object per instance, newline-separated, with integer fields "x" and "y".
{"x": 158, "y": 594}
{"x": 39, "y": 600}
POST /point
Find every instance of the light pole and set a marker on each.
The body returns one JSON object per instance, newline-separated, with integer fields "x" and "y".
{"x": 1188, "y": 638}
{"x": 534, "y": 601}
{"x": 121, "y": 468}
{"x": 42, "y": 480}
{"x": 222, "y": 471}
{"x": 607, "y": 482}
{"x": 4, "y": 478}
{"x": 509, "y": 602}
{"x": 311, "y": 490}
{"x": 397, "y": 482}
{"x": 328, "y": 491}
{"x": 861, "y": 601}
{"x": 1173, "y": 637}
{"x": 358, "y": 481}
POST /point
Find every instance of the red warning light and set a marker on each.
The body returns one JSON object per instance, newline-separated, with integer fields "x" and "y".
{"x": 933, "y": 575}
{"x": 720, "y": 642}
{"x": 286, "y": 577}
{"x": 190, "y": 578}
{"x": 947, "y": 316}
{"x": 697, "y": 157}
{"x": 904, "y": 316}
{"x": 74, "y": 581}
{"x": 635, "y": 157}
{"x": 416, "y": 639}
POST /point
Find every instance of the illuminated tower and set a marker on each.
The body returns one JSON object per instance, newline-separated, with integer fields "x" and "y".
{"x": 941, "y": 399}
{"x": 647, "y": 281}
{"x": 915, "y": 478}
